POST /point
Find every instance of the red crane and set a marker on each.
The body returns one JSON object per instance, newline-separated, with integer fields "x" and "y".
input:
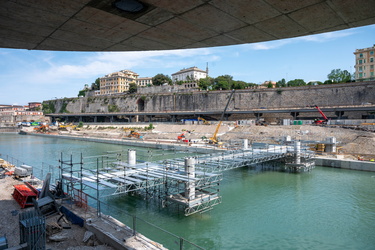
{"x": 319, "y": 121}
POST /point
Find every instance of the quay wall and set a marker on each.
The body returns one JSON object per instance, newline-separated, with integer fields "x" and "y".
{"x": 322, "y": 95}
{"x": 346, "y": 164}
{"x": 157, "y": 145}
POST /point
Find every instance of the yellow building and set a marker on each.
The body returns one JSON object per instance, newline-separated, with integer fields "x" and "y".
{"x": 117, "y": 82}
{"x": 364, "y": 64}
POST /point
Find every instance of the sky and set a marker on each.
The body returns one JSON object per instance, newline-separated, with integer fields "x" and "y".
{"x": 36, "y": 76}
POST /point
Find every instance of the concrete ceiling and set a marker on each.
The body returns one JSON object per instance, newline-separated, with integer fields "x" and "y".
{"x": 95, "y": 25}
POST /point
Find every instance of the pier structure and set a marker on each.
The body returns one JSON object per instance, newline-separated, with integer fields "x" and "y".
{"x": 190, "y": 182}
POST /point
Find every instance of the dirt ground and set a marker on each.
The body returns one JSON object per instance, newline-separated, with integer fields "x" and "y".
{"x": 351, "y": 142}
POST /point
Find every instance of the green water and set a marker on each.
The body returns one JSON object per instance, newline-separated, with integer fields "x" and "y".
{"x": 324, "y": 209}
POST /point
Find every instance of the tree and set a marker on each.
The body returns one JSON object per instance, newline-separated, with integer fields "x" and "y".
{"x": 239, "y": 85}
{"x": 281, "y": 83}
{"x": 296, "y": 82}
{"x": 205, "y": 83}
{"x": 223, "y": 82}
{"x": 160, "y": 79}
{"x": 338, "y": 75}
{"x": 82, "y": 92}
{"x": 96, "y": 85}
{"x": 133, "y": 88}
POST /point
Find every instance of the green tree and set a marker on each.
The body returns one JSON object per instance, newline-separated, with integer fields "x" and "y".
{"x": 328, "y": 82}
{"x": 160, "y": 79}
{"x": 223, "y": 82}
{"x": 82, "y": 92}
{"x": 239, "y": 85}
{"x": 281, "y": 83}
{"x": 96, "y": 85}
{"x": 338, "y": 75}
{"x": 205, "y": 83}
{"x": 296, "y": 82}
{"x": 133, "y": 88}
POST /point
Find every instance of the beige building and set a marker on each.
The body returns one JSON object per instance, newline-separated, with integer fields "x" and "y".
{"x": 364, "y": 64}
{"x": 117, "y": 82}
{"x": 144, "y": 81}
{"x": 189, "y": 74}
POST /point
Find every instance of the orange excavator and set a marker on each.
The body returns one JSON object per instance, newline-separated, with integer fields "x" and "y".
{"x": 320, "y": 121}
{"x": 134, "y": 134}
{"x": 42, "y": 128}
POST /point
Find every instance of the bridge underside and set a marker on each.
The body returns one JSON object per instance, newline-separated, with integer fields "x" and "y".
{"x": 98, "y": 25}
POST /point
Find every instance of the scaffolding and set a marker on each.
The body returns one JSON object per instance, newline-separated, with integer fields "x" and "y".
{"x": 190, "y": 182}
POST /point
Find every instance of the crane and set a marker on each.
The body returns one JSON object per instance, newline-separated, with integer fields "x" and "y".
{"x": 318, "y": 121}
{"x": 213, "y": 139}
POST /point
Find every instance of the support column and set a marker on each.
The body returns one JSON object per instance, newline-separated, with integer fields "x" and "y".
{"x": 331, "y": 145}
{"x": 297, "y": 152}
{"x": 132, "y": 158}
{"x": 245, "y": 144}
{"x": 190, "y": 185}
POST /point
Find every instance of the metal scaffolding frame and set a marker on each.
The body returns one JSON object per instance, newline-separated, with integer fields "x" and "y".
{"x": 167, "y": 180}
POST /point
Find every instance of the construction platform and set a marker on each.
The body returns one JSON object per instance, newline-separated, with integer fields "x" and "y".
{"x": 190, "y": 182}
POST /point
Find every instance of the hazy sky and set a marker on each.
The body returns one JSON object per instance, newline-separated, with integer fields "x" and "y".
{"x": 35, "y": 76}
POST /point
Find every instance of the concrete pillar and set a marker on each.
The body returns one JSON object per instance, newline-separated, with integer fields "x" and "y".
{"x": 297, "y": 151}
{"x": 287, "y": 138}
{"x": 132, "y": 159}
{"x": 245, "y": 144}
{"x": 331, "y": 145}
{"x": 190, "y": 170}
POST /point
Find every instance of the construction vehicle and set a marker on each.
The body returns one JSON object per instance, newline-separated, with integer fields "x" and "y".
{"x": 42, "y": 128}
{"x": 205, "y": 122}
{"x": 134, "y": 134}
{"x": 214, "y": 139}
{"x": 65, "y": 127}
{"x": 320, "y": 121}
{"x": 182, "y": 137}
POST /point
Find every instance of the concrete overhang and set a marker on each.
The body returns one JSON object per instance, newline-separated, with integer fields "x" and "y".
{"x": 96, "y": 25}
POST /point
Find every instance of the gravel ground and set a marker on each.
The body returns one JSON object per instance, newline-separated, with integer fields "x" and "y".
{"x": 351, "y": 142}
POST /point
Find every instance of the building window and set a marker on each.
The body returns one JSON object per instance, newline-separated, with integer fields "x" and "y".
{"x": 371, "y": 59}
{"x": 371, "y": 66}
{"x": 361, "y": 55}
{"x": 360, "y": 69}
{"x": 371, "y": 52}
{"x": 359, "y": 61}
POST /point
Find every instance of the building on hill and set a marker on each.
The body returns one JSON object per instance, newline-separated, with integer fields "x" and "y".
{"x": 144, "y": 81}
{"x": 189, "y": 74}
{"x": 117, "y": 82}
{"x": 364, "y": 64}
{"x": 10, "y": 115}
{"x": 268, "y": 84}
{"x": 35, "y": 105}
